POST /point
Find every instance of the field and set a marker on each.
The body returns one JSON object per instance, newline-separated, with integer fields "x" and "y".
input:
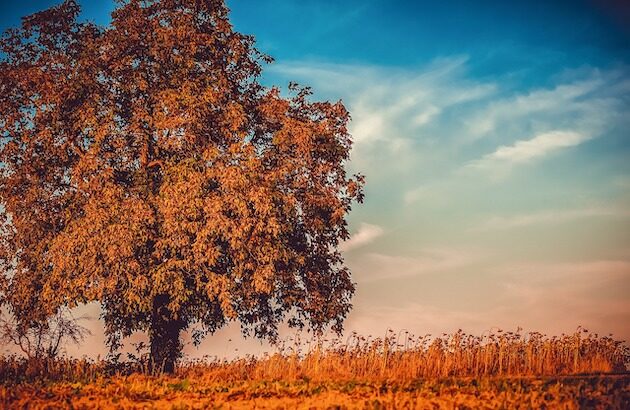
{"x": 502, "y": 370}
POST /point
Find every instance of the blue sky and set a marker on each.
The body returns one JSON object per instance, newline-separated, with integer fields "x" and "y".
{"x": 495, "y": 141}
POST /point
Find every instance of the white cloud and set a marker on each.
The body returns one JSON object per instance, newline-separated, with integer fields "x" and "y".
{"x": 524, "y": 108}
{"x": 425, "y": 116}
{"x": 582, "y": 274}
{"x": 583, "y": 106}
{"x": 538, "y": 146}
{"x": 550, "y": 216}
{"x": 379, "y": 266}
{"x": 415, "y": 194}
{"x": 367, "y": 233}
{"x": 527, "y": 150}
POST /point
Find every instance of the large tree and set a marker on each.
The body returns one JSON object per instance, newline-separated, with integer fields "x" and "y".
{"x": 144, "y": 166}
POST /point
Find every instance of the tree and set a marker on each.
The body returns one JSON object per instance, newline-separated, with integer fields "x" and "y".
{"x": 43, "y": 340}
{"x": 145, "y": 167}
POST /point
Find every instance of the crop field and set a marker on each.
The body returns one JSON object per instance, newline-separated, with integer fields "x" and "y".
{"x": 459, "y": 371}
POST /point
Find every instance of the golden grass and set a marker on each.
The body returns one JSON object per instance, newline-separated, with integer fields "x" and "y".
{"x": 402, "y": 356}
{"x": 145, "y": 392}
{"x": 498, "y": 370}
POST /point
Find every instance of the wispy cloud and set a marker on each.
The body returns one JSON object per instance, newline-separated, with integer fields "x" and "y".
{"x": 366, "y": 233}
{"x": 381, "y": 266}
{"x": 587, "y": 99}
{"x": 582, "y": 274}
{"x": 550, "y": 216}
{"x": 527, "y": 150}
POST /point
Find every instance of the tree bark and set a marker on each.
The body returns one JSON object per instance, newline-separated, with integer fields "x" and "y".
{"x": 164, "y": 336}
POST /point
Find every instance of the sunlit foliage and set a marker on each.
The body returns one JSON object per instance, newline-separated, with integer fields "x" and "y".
{"x": 146, "y": 168}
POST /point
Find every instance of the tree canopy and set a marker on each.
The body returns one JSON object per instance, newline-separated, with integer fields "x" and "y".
{"x": 145, "y": 167}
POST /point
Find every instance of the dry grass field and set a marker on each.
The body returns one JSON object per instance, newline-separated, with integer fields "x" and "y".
{"x": 501, "y": 370}
{"x": 144, "y": 392}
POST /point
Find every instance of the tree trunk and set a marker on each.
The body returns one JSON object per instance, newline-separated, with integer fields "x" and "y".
{"x": 164, "y": 335}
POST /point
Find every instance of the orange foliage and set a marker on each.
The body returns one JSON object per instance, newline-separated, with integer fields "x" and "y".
{"x": 145, "y": 167}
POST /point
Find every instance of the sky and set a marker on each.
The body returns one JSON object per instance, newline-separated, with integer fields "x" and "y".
{"x": 495, "y": 139}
